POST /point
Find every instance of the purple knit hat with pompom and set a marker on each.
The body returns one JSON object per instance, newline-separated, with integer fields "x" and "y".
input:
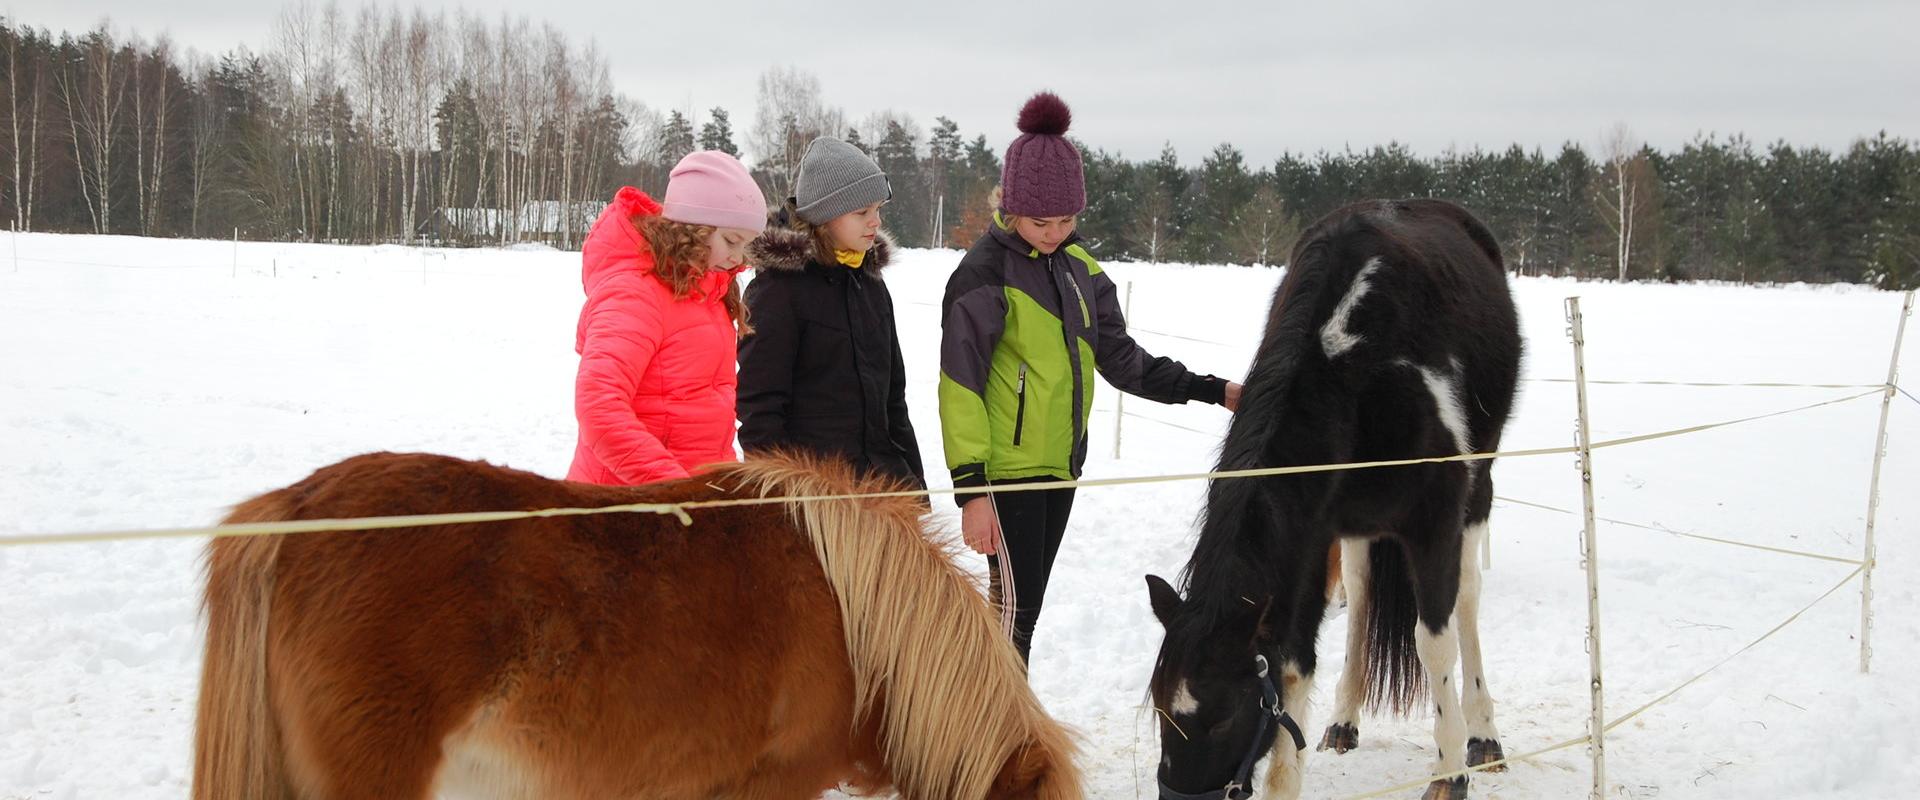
{"x": 1042, "y": 176}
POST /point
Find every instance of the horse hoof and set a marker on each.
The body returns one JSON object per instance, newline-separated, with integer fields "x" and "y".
{"x": 1340, "y": 738}
{"x": 1485, "y": 751}
{"x": 1450, "y": 789}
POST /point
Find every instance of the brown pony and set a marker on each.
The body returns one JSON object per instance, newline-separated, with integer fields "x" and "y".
{"x": 767, "y": 651}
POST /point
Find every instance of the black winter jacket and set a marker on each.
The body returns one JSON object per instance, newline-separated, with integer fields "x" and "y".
{"x": 822, "y": 371}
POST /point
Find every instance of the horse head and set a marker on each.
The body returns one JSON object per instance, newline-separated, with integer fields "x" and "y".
{"x": 1218, "y": 693}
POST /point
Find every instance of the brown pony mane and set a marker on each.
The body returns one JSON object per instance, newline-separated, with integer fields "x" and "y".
{"x": 923, "y": 647}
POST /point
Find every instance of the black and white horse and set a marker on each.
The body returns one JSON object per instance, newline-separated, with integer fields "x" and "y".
{"x": 1393, "y": 336}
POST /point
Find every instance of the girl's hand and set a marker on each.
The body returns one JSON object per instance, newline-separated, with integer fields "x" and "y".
{"x": 980, "y": 526}
{"x": 1233, "y": 396}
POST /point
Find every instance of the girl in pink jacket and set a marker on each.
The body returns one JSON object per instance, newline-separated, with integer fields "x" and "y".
{"x": 655, "y": 393}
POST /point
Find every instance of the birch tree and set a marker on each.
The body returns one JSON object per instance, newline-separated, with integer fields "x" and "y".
{"x": 1623, "y": 193}
{"x": 93, "y": 90}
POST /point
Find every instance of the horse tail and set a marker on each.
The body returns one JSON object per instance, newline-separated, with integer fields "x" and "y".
{"x": 237, "y": 752}
{"x": 1395, "y": 678}
{"x": 955, "y": 715}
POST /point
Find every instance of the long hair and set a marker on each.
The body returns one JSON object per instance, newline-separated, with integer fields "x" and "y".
{"x": 680, "y": 256}
{"x": 237, "y": 742}
{"x": 924, "y": 649}
{"x": 1223, "y": 555}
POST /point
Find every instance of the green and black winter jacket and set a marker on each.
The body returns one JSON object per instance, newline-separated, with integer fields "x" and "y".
{"x": 1022, "y": 333}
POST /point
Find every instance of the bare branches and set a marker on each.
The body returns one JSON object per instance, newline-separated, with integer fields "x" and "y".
{"x": 788, "y": 114}
{"x": 1625, "y": 193}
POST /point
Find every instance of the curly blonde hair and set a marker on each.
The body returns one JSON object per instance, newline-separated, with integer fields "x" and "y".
{"x": 680, "y": 256}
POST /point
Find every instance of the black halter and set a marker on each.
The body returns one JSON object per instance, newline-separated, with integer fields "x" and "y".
{"x": 1270, "y": 714}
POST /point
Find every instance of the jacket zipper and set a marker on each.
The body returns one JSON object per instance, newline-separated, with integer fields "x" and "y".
{"x": 1055, "y": 274}
{"x": 1086, "y": 314}
{"x": 1020, "y": 407}
{"x": 851, "y": 297}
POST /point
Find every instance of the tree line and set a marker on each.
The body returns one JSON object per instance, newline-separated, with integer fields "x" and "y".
{"x": 404, "y": 126}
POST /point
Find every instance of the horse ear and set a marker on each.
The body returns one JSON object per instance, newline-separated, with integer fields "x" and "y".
{"x": 1165, "y": 599}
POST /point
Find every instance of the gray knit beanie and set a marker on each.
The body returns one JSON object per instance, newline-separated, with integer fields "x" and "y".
{"x": 836, "y": 178}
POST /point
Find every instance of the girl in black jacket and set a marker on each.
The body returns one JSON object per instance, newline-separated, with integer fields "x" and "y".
{"x": 822, "y": 371}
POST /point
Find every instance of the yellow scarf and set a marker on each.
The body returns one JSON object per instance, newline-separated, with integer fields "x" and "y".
{"x": 851, "y": 258}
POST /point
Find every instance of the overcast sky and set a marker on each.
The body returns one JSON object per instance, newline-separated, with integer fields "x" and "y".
{"x": 1267, "y": 76}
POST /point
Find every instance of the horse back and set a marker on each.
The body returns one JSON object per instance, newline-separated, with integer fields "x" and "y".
{"x": 1387, "y": 285}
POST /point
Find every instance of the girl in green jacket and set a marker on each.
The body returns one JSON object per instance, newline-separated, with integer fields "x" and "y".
{"x": 1028, "y": 317}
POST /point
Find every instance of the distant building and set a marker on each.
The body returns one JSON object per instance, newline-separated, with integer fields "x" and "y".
{"x": 558, "y": 223}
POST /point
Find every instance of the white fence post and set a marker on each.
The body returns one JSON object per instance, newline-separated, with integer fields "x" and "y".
{"x": 940, "y": 223}
{"x": 1119, "y": 397}
{"x": 15, "y": 239}
{"x": 1873, "y": 492}
{"x": 1596, "y": 734}
{"x": 236, "y": 252}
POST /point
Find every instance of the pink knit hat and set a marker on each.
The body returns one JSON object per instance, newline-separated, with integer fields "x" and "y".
{"x": 709, "y": 187}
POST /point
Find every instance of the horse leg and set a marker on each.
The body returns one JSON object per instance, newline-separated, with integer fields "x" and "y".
{"x": 1288, "y": 767}
{"x": 1436, "y": 562}
{"x": 363, "y": 752}
{"x": 779, "y": 780}
{"x": 816, "y": 750}
{"x": 1344, "y": 733}
{"x": 1483, "y": 739}
{"x": 363, "y": 719}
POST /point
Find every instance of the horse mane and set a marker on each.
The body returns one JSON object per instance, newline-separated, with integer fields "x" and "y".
{"x": 924, "y": 647}
{"x": 1224, "y": 558}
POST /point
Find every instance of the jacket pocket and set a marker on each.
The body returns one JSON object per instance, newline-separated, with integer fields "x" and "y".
{"x": 1020, "y": 405}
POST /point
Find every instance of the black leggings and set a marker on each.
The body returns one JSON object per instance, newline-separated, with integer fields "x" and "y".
{"x": 1031, "y": 526}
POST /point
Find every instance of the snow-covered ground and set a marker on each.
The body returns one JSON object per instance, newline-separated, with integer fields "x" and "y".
{"x": 150, "y": 383}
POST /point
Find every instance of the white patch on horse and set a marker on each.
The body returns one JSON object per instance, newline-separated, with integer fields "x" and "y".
{"x": 1355, "y": 574}
{"x": 1334, "y": 336}
{"x": 484, "y": 762}
{"x": 1438, "y": 651}
{"x": 1446, "y": 399}
{"x": 1475, "y": 699}
{"x": 1287, "y": 769}
{"x": 1183, "y": 702}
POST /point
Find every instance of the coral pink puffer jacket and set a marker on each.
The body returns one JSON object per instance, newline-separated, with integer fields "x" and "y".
{"x": 654, "y": 395}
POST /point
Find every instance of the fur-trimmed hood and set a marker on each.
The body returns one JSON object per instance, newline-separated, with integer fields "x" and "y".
{"x": 789, "y": 249}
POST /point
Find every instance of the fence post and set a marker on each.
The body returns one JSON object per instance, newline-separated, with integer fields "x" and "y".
{"x": 15, "y": 239}
{"x": 940, "y": 223}
{"x": 236, "y": 252}
{"x": 1596, "y": 734}
{"x": 1873, "y": 492}
{"x": 1119, "y": 397}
